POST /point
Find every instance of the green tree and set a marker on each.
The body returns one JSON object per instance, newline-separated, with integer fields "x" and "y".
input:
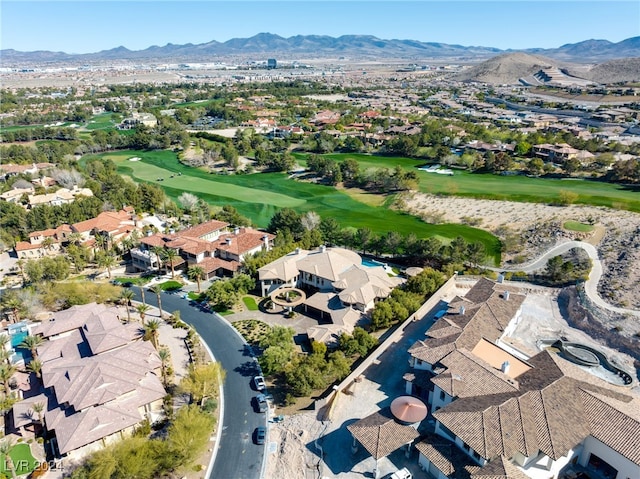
{"x": 5, "y": 448}
{"x": 157, "y": 290}
{"x": 32, "y": 343}
{"x": 152, "y": 332}
{"x": 196, "y": 273}
{"x": 189, "y": 434}
{"x": 142, "y": 311}
{"x": 126, "y": 296}
{"x": 106, "y": 261}
{"x": 170, "y": 255}
{"x": 35, "y": 366}
{"x": 203, "y": 381}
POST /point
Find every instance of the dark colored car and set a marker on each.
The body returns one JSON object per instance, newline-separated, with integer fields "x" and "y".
{"x": 260, "y": 435}
{"x": 261, "y": 403}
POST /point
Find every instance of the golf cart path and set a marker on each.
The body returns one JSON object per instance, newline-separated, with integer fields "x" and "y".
{"x": 590, "y": 286}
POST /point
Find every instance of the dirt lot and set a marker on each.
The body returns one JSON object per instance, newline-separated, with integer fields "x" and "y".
{"x": 531, "y": 228}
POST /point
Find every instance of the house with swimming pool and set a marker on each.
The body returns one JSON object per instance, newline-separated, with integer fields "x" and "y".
{"x": 500, "y": 412}
{"x": 99, "y": 380}
{"x": 340, "y": 287}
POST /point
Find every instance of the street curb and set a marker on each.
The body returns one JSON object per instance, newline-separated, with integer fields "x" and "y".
{"x": 264, "y": 457}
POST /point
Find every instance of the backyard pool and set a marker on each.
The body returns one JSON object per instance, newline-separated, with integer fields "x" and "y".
{"x": 17, "y": 333}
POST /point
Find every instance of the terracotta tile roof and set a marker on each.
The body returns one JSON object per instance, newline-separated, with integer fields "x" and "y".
{"x": 498, "y": 468}
{"x": 446, "y": 457}
{"x": 468, "y": 375}
{"x": 97, "y": 378}
{"x": 25, "y": 246}
{"x": 245, "y": 240}
{"x": 547, "y": 413}
{"x": 380, "y": 434}
{"x": 211, "y": 264}
{"x": 204, "y": 229}
{"x": 615, "y": 423}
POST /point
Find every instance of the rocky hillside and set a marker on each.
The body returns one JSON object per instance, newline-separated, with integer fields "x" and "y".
{"x": 507, "y": 68}
{"x": 614, "y": 71}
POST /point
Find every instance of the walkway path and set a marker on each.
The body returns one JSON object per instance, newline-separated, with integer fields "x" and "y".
{"x": 590, "y": 286}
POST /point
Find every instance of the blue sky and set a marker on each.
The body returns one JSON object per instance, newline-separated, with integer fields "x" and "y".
{"x": 90, "y": 25}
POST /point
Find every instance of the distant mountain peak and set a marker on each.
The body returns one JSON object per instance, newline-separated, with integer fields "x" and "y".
{"x": 366, "y": 46}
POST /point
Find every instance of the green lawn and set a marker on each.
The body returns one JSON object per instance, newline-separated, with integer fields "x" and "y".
{"x": 511, "y": 188}
{"x": 101, "y": 122}
{"x": 259, "y": 196}
{"x": 170, "y": 285}
{"x": 23, "y": 460}
{"x": 250, "y": 303}
{"x": 133, "y": 280}
{"x": 576, "y": 226}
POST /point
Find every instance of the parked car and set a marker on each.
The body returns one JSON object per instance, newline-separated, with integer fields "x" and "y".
{"x": 259, "y": 383}
{"x": 260, "y": 435}
{"x": 403, "y": 473}
{"x": 261, "y": 403}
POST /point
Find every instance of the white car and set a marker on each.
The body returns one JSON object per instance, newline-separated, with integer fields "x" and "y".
{"x": 259, "y": 383}
{"x": 403, "y": 473}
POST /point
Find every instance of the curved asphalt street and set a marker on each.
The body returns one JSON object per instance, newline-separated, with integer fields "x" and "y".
{"x": 237, "y": 456}
{"x": 590, "y": 286}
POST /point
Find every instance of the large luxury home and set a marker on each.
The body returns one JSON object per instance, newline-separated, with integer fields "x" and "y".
{"x": 500, "y": 412}
{"x": 212, "y": 246}
{"x": 100, "y": 380}
{"x": 339, "y": 288}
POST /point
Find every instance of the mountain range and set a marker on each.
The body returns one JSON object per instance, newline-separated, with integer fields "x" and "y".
{"x": 318, "y": 46}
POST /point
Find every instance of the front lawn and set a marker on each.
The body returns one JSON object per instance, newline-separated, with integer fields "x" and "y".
{"x": 136, "y": 280}
{"x": 170, "y": 285}
{"x": 250, "y": 303}
{"x": 23, "y": 460}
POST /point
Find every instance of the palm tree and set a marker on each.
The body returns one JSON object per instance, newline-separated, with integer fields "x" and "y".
{"x": 31, "y": 343}
{"x": 35, "y": 366}
{"x": 196, "y": 273}
{"x": 6, "y": 373}
{"x": 169, "y": 256}
{"x": 158, "y": 251}
{"x": 106, "y": 261}
{"x": 20, "y": 265}
{"x": 126, "y": 296}
{"x": 5, "y": 449}
{"x": 157, "y": 289}
{"x": 152, "y": 331}
{"x": 38, "y": 407}
{"x": 12, "y": 303}
{"x": 48, "y": 243}
{"x": 142, "y": 310}
{"x": 5, "y": 356}
{"x": 165, "y": 358}
{"x": 141, "y": 286}
{"x": 102, "y": 241}
{"x": 74, "y": 238}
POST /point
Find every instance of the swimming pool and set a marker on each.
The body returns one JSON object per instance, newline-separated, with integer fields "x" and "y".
{"x": 371, "y": 263}
{"x": 17, "y": 333}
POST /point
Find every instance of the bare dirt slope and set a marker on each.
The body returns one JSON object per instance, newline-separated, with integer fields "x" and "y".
{"x": 507, "y": 68}
{"x": 528, "y": 229}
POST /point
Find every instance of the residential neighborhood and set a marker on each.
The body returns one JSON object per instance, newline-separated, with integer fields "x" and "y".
{"x": 321, "y": 256}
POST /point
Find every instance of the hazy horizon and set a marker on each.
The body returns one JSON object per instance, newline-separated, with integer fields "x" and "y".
{"x": 92, "y": 26}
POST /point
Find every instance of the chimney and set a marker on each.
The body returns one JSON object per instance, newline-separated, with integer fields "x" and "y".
{"x": 505, "y": 367}
{"x": 505, "y": 295}
{"x": 500, "y": 278}
{"x": 265, "y": 241}
{"x": 229, "y": 240}
{"x": 236, "y": 231}
{"x": 462, "y": 309}
{"x": 323, "y": 249}
{"x": 297, "y": 250}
